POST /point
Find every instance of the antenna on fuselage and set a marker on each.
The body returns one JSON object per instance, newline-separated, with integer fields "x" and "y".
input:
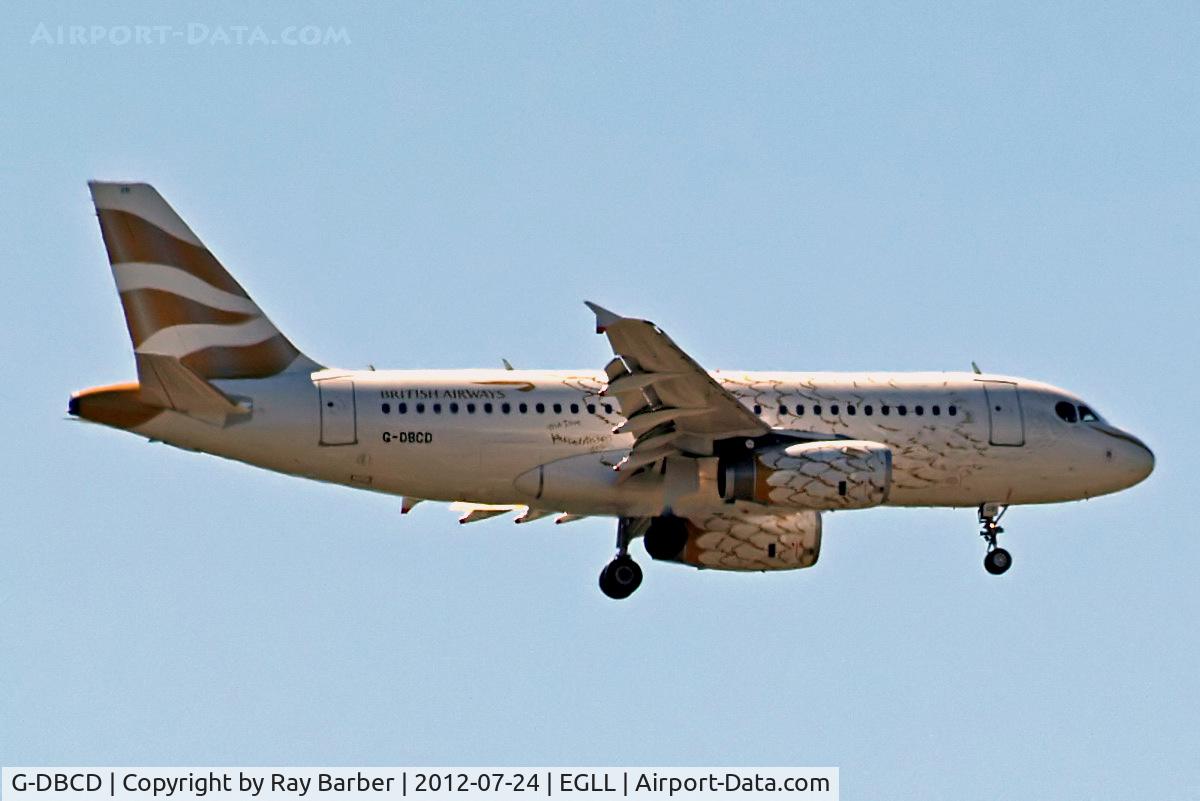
{"x": 975, "y": 368}
{"x": 507, "y": 366}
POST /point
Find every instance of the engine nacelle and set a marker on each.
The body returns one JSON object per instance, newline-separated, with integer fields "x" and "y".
{"x": 834, "y": 474}
{"x": 755, "y": 542}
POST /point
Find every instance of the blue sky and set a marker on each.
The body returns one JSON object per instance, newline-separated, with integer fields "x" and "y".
{"x": 780, "y": 186}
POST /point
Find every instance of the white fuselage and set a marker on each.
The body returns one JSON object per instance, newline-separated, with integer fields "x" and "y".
{"x": 957, "y": 439}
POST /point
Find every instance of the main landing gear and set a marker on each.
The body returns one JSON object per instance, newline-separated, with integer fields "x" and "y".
{"x": 996, "y": 560}
{"x": 621, "y": 576}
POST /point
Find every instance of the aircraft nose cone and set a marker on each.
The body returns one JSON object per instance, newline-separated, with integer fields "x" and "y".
{"x": 1141, "y": 460}
{"x": 1130, "y": 461}
{"x": 1134, "y": 460}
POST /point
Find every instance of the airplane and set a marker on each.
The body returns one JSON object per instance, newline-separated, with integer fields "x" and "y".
{"x": 721, "y": 469}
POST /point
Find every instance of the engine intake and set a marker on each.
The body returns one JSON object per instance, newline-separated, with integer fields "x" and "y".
{"x": 835, "y": 474}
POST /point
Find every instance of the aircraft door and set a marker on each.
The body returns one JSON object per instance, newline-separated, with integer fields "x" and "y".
{"x": 1005, "y": 419}
{"x": 338, "y": 412}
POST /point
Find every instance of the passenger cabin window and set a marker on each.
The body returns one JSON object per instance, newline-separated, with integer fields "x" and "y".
{"x": 1087, "y": 415}
{"x": 487, "y": 408}
{"x": 437, "y": 408}
{"x": 817, "y": 409}
{"x": 524, "y": 408}
{"x": 591, "y": 407}
{"x": 920, "y": 410}
{"x": 540, "y": 407}
{"x": 952, "y": 411}
{"x": 757, "y": 409}
{"x": 1066, "y": 411}
{"x": 902, "y": 410}
{"x": 453, "y": 408}
{"x": 782, "y": 409}
{"x": 387, "y": 408}
{"x": 401, "y": 408}
{"x": 937, "y": 411}
{"x": 558, "y": 408}
{"x": 850, "y": 409}
{"x": 868, "y": 410}
{"x": 470, "y": 408}
{"x": 420, "y": 408}
{"x": 504, "y": 407}
{"x": 833, "y": 408}
{"x": 574, "y": 408}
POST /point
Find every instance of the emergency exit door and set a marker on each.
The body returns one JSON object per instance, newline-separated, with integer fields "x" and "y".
{"x": 1007, "y": 424}
{"x": 338, "y": 412}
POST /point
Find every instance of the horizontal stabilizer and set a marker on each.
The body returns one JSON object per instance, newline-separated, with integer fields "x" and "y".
{"x": 168, "y": 383}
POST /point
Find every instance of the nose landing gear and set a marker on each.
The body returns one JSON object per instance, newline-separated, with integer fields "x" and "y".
{"x": 996, "y": 560}
{"x": 621, "y": 576}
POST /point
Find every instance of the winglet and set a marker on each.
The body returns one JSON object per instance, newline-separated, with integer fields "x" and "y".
{"x": 604, "y": 318}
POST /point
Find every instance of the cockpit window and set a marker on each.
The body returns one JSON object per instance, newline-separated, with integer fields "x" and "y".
{"x": 1087, "y": 415}
{"x": 1066, "y": 411}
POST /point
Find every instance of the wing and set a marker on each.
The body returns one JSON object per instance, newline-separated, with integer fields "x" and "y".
{"x": 670, "y": 403}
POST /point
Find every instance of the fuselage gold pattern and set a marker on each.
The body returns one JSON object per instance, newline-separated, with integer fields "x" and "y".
{"x": 717, "y": 469}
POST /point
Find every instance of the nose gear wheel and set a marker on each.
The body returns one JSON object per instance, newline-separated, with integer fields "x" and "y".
{"x": 996, "y": 560}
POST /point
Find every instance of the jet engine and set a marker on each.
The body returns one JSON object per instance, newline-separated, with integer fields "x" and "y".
{"x": 762, "y": 541}
{"x": 832, "y": 474}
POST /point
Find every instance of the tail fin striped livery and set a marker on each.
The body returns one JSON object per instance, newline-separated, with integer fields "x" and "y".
{"x": 179, "y": 301}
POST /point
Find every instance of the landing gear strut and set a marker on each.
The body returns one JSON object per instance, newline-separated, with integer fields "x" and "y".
{"x": 996, "y": 560}
{"x": 621, "y": 576}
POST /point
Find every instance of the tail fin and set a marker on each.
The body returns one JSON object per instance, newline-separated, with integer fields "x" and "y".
{"x": 178, "y": 299}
